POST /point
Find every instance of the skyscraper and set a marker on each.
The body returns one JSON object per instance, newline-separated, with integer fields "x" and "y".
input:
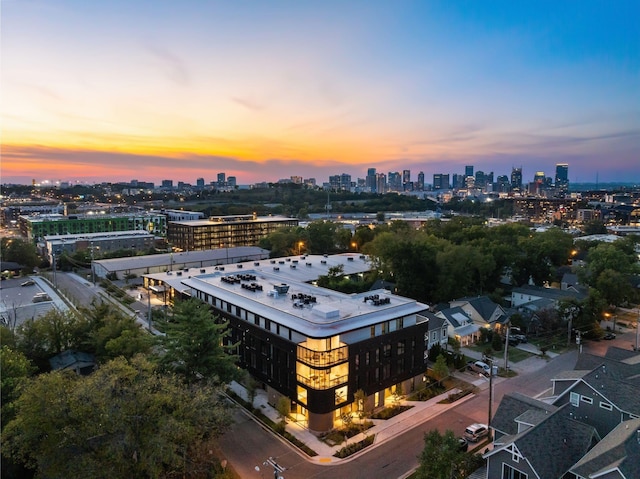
{"x": 406, "y": 180}
{"x": 468, "y": 170}
{"x": 421, "y": 181}
{"x": 516, "y": 179}
{"x": 370, "y": 180}
{"x": 562, "y": 177}
{"x": 440, "y": 181}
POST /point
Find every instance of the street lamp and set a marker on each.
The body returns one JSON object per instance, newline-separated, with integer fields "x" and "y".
{"x": 300, "y": 245}
{"x": 277, "y": 469}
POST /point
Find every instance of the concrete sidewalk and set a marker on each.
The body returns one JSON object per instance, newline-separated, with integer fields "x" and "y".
{"x": 383, "y": 429}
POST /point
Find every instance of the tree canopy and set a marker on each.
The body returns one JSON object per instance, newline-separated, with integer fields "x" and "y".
{"x": 193, "y": 344}
{"x": 442, "y": 458}
{"x": 124, "y": 420}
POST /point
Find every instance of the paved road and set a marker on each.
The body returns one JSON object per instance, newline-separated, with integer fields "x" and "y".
{"x": 248, "y": 445}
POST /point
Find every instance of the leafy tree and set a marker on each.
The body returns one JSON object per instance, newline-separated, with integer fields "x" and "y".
{"x": 16, "y": 368}
{"x": 441, "y": 458}
{"x": 52, "y": 333}
{"x": 360, "y": 398}
{"x": 124, "y": 420}
{"x": 440, "y": 368}
{"x": 594, "y": 227}
{"x": 19, "y": 251}
{"x": 283, "y": 408}
{"x": 193, "y": 344}
{"x": 614, "y": 286}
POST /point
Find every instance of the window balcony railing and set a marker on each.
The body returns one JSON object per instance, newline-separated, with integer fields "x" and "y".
{"x": 322, "y": 381}
{"x": 323, "y": 358}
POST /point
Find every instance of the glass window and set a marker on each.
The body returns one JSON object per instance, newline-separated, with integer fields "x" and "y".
{"x": 508, "y": 472}
{"x": 586, "y": 399}
{"x": 574, "y": 399}
{"x": 607, "y": 406}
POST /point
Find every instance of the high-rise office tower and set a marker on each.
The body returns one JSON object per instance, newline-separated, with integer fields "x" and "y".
{"x": 381, "y": 183}
{"x": 394, "y": 181}
{"x": 468, "y": 170}
{"x": 458, "y": 181}
{"x": 231, "y": 181}
{"x": 516, "y": 179}
{"x": 222, "y": 178}
{"x": 481, "y": 181}
{"x": 502, "y": 184}
{"x": 441, "y": 181}
{"x": 421, "y": 181}
{"x": 562, "y": 177}
{"x": 406, "y": 179}
{"x": 371, "y": 180}
{"x": 200, "y": 183}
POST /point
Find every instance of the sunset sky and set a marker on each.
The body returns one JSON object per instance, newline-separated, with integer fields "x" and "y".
{"x": 117, "y": 90}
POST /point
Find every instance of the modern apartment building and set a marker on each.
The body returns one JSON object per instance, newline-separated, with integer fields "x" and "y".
{"x": 223, "y": 231}
{"x": 313, "y": 345}
{"x": 318, "y": 347}
{"x": 35, "y": 228}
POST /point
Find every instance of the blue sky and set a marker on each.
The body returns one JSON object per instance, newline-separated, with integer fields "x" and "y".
{"x": 152, "y": 90}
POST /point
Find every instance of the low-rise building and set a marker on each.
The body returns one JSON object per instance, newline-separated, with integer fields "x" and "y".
{"x": 315, "y": 346}
{"x": 224, "y": 231}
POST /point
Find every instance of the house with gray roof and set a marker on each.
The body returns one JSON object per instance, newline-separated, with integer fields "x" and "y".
{"x": 529, "y": 293}
{"x": 482, "y": 311}
{"x": 462, "y": 327}
{"x": 588, "y": 428}
{"x": 617, "y": 456}
{"x": 545, "y": 451}
{"x": 517, "y": 413}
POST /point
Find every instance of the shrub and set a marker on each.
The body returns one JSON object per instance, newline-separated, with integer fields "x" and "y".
{"x": 355, "y": 447}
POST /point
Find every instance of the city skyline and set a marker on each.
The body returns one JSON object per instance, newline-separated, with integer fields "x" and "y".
{"x": 120, "y": 90}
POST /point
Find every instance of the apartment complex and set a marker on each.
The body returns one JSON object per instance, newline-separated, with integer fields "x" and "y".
{"x": 313, "y": 345}
{"x": 224, "y": 231}
{"x": 35, "y": 228}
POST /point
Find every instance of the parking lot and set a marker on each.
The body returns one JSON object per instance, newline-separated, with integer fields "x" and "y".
{"x": 17, "y": 302}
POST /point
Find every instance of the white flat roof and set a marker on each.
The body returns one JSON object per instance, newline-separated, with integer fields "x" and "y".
{"x": 327, "y": 314}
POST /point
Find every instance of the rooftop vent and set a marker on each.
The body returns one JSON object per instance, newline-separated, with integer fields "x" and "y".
{"x": 282, "y": 288}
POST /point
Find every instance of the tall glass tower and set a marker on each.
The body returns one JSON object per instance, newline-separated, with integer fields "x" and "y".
{"x": 562, "y": 177}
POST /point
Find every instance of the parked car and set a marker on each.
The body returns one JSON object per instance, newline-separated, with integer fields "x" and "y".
{"x": 475, "y": 432}
{"x": 481, "y": 367}
{"x": 41, "y": 298}
{"x": 463, "y": 444}
{"x": 521, "y": 338}
{"x": 609, "y": 336}
{"x": 28, "y": 282}
{"x": 513, "y": 341}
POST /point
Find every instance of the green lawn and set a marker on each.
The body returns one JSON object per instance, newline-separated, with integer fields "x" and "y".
{"x": 515, "y": 354}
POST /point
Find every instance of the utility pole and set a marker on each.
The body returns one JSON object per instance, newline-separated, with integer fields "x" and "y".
{"x": 149, "y": 304}
{"x": 638, "y": 329}
{"x": 490, "y": 394}
{"x": 506, "y": 348}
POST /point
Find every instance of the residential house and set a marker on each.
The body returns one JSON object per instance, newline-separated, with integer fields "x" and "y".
{"x": 77, "y": 361}
{"x": 588, "y": 428}
{"x": 462, "y": 327}
{"x": 438, "y": 330}
{"x": 617, "y": 456}
{"x": 546, "y": 449}
{"x": 517, "y": 413}
{"x": 482, "y": 311}
{"x": 529, "y": 293}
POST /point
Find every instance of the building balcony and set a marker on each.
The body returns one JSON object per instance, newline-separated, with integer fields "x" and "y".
{"x": 323, "y": 358}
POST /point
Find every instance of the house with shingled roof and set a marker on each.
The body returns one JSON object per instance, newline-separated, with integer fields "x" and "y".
{"x": 617, "y": 456}
{"x": 545, "y": 451}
